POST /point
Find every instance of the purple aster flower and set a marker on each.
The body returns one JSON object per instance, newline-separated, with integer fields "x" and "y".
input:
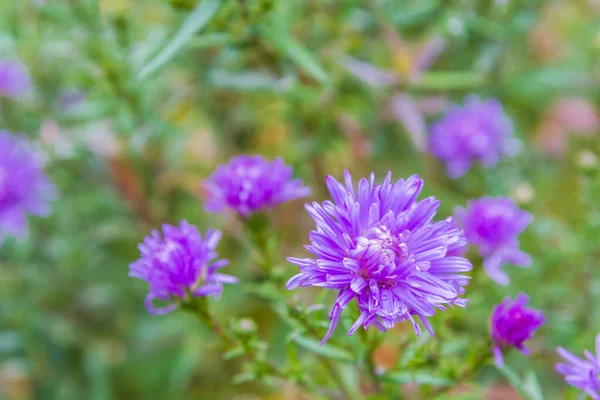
{"x": 24, "y": 189}
{"x": 493, "y": 225}
{"x": 512, "y": 324}
{"x": 379, "y": 247}
{"x": 14, "y": 79}
{"x": 584, "y": 374}
{"x": 180, "y": 264}
{"x": 251, "y": 183}
{"x": 479, "y": 131}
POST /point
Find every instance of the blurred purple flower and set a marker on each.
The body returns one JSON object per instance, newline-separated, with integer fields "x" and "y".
{"x": 379, "y": 246}
{"x": 479, "y": 131}
{"x": 180, "y": 264}
{"x": 493, "y": 225}
{"x": 405, "y": 110}
{"x": 14, "y": 79}
{"x": 412, "y": 63}
{"x": 71, "y": 99}
{"x": 584, "y": 374}
{"x": 251, "y": 183}
{"x": 427, "y": 55}
{"x": 512, "y": 324}
{"x": 24, "y": 188}
{"x": 368, "y": 73}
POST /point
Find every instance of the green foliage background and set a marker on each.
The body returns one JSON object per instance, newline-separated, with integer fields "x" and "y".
{"x": 169, "y": 89}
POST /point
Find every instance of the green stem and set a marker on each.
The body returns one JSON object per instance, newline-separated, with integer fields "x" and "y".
{"x": 258, "y": 231}
{"x": 199, "y": 307}
{"x": 333, "y": 372}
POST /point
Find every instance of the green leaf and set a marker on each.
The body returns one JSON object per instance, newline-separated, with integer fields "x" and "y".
{"x": 209, "y": 40}
{"x": 326, "y": 350}
{"x": 450, "y": 80}
{"x": 532, "y": 386}
{"x": 544, "y": 83}
{"x": 419, "y": 377}
{"x": 514, "y": 380}
{"x": 97, "y": 372}
{"x": 243, "y": 377}
{"x": 194, "y": 23}
{"x": 413, "y": 350}
{"x": 233, "y": 353}
{"x": 288, "y": 45}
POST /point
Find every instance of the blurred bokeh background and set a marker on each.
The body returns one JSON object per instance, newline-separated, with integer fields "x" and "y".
{"x": 134, "y": 103}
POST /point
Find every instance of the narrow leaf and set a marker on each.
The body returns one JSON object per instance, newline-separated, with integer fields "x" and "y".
{"x": 288, "y": 45}
{"x": 243, "y": 377}
{"x": 514, "y": 380}
{"x": 326, "y": 350}
{"x": 532, "y": 386}
{"x": 194, "y": 22}
{"x": 209, "y": 40}
{"x": 233, "y": 353}
{"x": 419, "y": 377}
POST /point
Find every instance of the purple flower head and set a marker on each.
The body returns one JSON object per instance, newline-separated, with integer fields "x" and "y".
{"x": 14, "y": 79}
{"x": 251, "y": 183}
{"x": 512, "y": 324}
{"x": 24, "y": 189}
{"x": 180, "y": 264}
{"x": 493, "y": 225}
{"x": 584, "y": 374}
{"x": 479, "y": 131}
{"x": 379, "y": 247}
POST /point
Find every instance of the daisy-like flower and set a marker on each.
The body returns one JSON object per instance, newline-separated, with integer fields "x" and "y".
{"x": 14, "y": 79}
{"x": 24, "y": 188}
{"x": 582, "y": 373}
{"x": 512, "y": 324}
{"x": 380, "y": 247}
{"x": 479, "y": 131}
{"x": 178, "y": 265}
{"x": 249, "y": 184}
{"x": 493, "y": 226}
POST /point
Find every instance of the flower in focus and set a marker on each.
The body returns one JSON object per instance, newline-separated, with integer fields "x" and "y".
{"x": 14, "y": 79}
{"x": 251, "y": 183}
{"x": 493, "y": 225}
{"x": 179, "y": 264}
{"x": 479, "y": 131}
{"x": 24, "y": 189}
{"x": 512, "y": 324}
{"x": 379, "y": 246}
{"x": 584, "y": 374}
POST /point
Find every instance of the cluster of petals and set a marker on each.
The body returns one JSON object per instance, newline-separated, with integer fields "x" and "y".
{"x": 582, "y": 373}
{"x": 248, "y": 184}
{"x": 493, "y": 225}
{"x": 14, "y": 79}
{"x": 180, "y": 264}
{"x": 512, "y": 324}
{"x": 24, "y": 188}
{"x": 379, "y": 246}
{"x": 477, "y": 132}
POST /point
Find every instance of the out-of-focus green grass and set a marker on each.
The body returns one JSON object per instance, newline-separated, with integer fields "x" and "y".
{"x": 266, "y": 77}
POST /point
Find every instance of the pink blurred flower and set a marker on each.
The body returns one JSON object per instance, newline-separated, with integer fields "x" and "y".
{"x": 568, "y": 115}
